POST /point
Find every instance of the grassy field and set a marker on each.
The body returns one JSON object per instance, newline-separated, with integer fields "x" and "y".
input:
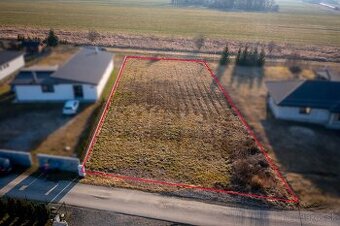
{"x": 297, "y": 22}
{"x": 169, "y": 122}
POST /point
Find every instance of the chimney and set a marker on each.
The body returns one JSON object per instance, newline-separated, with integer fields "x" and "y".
{"x": 35, "y": 77}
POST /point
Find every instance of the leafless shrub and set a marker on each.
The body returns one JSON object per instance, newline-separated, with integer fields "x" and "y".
{"x": 93, "y": 36}
{"x": 252, "y": 174}
{"x": 271, "y": 46}
{"x": 199, "y": 42}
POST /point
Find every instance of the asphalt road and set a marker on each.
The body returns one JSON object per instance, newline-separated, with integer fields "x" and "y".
{"x": 153, "y": 205}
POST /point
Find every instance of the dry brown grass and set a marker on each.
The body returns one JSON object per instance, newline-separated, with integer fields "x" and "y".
{"x": 59, "y": 56}
{"x": 169, "y": 122}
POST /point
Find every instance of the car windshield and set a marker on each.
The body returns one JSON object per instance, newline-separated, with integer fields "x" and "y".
{"x": 70, "y": 104}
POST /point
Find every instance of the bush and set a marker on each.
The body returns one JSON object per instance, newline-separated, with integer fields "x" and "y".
{"x": 295, "y": 69}
{"x": 52, "y": 39}
{"x": 25, "y": 210}
{"x": 225, "y": 56}
{"x": 3, "y": 208}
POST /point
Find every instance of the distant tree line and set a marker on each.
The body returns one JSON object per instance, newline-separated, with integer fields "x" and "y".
{"x": 250, "y": 57}
{"x": 249, "y": 5}
{"x": 245, "y": 57}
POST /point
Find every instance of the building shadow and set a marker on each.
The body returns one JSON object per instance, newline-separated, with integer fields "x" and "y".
{"x": 48, "y": 188}
{"x": 7, "y": 178}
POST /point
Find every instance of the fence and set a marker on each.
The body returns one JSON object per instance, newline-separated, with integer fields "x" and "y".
{"x": 19, "y": 158}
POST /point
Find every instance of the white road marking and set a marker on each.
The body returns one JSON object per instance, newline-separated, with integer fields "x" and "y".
{"x": 23, "y": 187}
{"x": 54, "y": 187}
{"x": 55, "y": 197}
{"x": 19, "y": 179}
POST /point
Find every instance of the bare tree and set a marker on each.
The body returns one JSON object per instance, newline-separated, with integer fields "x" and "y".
{"x": 199, "y": 42}
{"x": 271, "y": 46}
{"x": 93, "y": 36}
{"x": 293, "y": 64}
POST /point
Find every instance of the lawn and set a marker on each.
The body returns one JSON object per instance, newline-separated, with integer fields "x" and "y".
{"x": 169, "y": 122}
{"x": 296, "y": 22}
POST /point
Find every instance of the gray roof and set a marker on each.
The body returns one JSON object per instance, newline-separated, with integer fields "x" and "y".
{"x": 86, "y": 66}
{"x": 40, "y": 68}
{"x": 306, "y": 93}
{"x": 6, "y": 56}
{"x": 26, "y": 77}
{"x": 328, "y": 74}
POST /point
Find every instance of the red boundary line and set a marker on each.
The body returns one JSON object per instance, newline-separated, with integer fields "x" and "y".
{"x": 294, "y": 198}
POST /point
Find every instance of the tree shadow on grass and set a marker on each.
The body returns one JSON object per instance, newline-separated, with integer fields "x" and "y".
{"x": 219, "y": 73}
{"x": 247, "y": 76}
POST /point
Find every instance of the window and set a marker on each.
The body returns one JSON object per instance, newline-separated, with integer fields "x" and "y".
{"x": 305, "y": 111}
{"x": 78, "y": 91}
{"x": 47, "y": 88}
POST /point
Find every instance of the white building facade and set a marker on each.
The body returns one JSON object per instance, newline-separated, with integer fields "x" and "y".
{"x": 10, "y": 65}
{"x": 305, "y": 114}
{"x": 61, "y": 92}
{"x": 74, "y": 82}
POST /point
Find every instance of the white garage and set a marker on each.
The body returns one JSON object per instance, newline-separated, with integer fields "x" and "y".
{"x": 83, "y": 77}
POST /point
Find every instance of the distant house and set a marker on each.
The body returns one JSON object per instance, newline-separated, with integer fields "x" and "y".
{"x": 10, "y": 62}
{"x": 313, "y": 101}
{"x": 83, "y": 77}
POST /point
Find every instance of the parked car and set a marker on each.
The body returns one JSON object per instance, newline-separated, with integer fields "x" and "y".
{"x": 5, "y": 165}
{"x": 71, "y": 107}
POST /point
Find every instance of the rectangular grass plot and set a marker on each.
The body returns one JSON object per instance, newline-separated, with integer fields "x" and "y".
{"x": 168, "y": 121}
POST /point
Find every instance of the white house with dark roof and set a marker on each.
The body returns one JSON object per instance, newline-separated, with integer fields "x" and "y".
{"x": 83, "y": 77}
{"x": 312, "y": 101}
{"x": 10, "y": 62}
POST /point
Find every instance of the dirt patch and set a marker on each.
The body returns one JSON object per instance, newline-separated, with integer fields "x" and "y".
{"x": 169, "y": 122}
{"x": 59, "y": 56}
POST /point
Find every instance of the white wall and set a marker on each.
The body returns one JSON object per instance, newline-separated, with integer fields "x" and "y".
{"x": 34, "y": 93}
{"x": 319, "y": 116}
{"x": 90, "y": 92}
{"x": 105, "y": 78}
{"x": 63, "y": 91}
{"x": 13, "y": 66}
